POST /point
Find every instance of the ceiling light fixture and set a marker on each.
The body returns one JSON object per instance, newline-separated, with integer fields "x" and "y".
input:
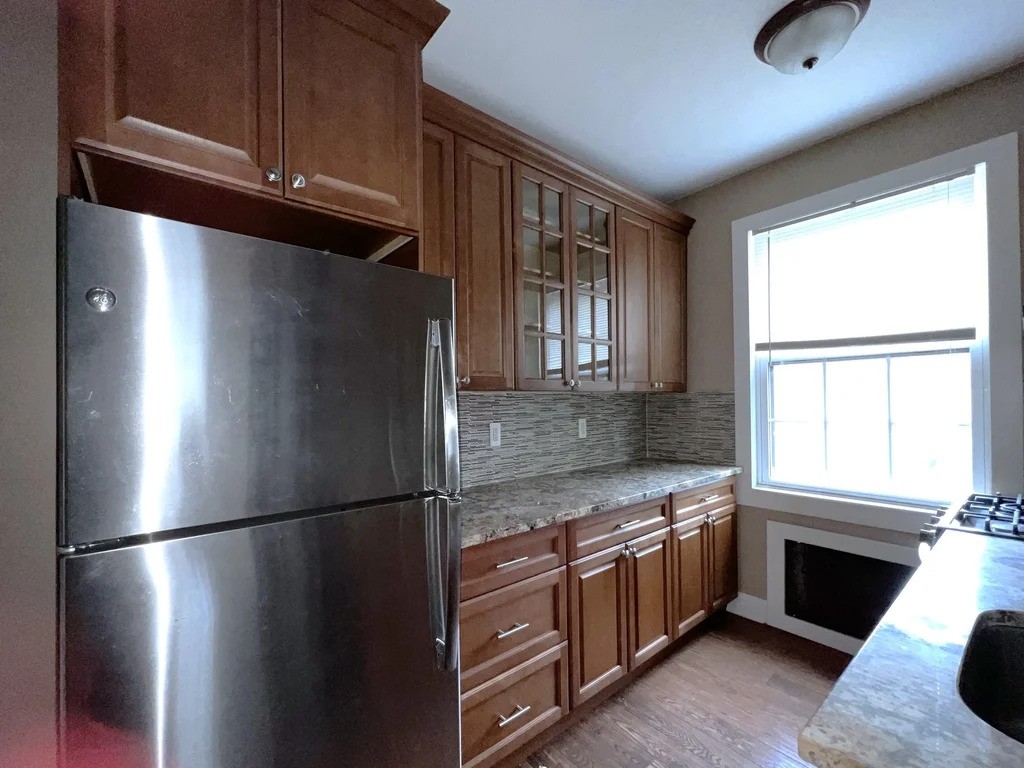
{"x": 807, "y": 33}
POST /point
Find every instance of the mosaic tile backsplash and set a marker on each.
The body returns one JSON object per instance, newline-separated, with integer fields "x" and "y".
{"x": 539, "y": 431}
{"x": 692, "y": 426}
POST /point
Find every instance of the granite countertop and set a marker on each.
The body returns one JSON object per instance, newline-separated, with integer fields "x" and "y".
{"x": 503, "y": 509}
{"x": 897, "y": 703}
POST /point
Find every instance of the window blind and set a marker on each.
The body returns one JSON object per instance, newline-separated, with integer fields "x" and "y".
{"x": 902, "y": 265}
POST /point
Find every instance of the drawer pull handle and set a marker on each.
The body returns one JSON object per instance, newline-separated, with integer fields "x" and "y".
{"x": 520, "y": 710}
{"x": 513, "y": 561}
{"x": 629, "y": 524}
{"x": 712, "y": 497}
{"x": 517, "y": 627}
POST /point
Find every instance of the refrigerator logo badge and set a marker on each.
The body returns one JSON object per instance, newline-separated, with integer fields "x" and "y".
{"x": 101, "y": 299}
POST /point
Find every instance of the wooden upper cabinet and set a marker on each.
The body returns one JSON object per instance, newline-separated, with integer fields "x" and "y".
{"x": 483, "y": 266}
{"x": 437, "y": 224}
{"x": 668, "y": 358}
{"x": 592, "y": 264}
{"x": 635, "y": 239}
{"x": 189, "y": 85}
{"x": 351, "y": 105}
{"x": 598, "y": 607}
{"x": 542, "y": 280}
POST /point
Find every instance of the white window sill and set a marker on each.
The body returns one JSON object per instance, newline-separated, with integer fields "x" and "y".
{"x": 888, "y": 516}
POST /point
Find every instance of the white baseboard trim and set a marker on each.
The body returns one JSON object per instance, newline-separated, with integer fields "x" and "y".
{"x": 749, "y": 607}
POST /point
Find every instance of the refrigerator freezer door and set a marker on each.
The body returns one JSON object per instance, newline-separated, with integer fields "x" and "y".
{"x": 210, "y": 377}
{"x": 301, "y": 644}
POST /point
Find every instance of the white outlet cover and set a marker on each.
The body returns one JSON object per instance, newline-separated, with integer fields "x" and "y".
{"x": 583, "y": 428}
{"x": 495, "y": 434}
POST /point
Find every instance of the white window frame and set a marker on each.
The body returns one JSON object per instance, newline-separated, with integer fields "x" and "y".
{"x": 998, "y": 356}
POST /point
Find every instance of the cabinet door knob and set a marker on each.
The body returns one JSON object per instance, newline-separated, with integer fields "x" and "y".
{"x": 298, "y": 181}
{"x": 464, "y": 381}
{"x": 579, "y": 384}
{"x": 273, "y": 174}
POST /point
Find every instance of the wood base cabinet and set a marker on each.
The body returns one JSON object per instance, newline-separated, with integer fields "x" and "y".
{"x": 691, "y": 566}
{"x": 598, "y": 597}
{"x": 620, "y": 599}
{"x": 502, "y": 715}
{"x": 540, "y": 638}
{"x": 722, "y": 547}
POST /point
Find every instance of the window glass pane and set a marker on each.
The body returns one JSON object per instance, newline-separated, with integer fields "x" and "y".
{"x": 797, "y": 453}
{"x": 531, "y": 306}
{"x": 932, "y": 388}
{"x": 603, "y": 354}
{"x": 601, "y": 309}
{"x": 584, "y": 263}
{"x": 585, "y": 361}
{"x": 601, "y": 272}
{"x": 552, "y": 209}
{"x": 531, "y": 251}
{"x": 856, "y": 391}
{"x": 531, "y": 355}
{"x": 554, "y": 368}
{"x": 553, "y": 256}
{"x": 584, "y": 317}
{"x": 932, "y": 461}
{"x": 600, "y": 227}
{"x": 582, "y": 219}
{"x": 798, "y": 392}
{"x": 531, "y": 200}
{"x": 857, "y": 456}
{"x": 553, "y": 310}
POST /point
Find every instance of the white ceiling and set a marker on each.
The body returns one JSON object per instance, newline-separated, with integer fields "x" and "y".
{"x": 668, "y": 96}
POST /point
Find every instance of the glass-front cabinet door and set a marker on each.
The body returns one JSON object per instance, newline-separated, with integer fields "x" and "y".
{"x": 593, "y": 291}
{"x": 543, "y": 281}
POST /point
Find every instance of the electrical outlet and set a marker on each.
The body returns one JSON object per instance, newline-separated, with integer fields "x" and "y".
{"x": 495, "y": 434}
{"x": 583, "y": 427}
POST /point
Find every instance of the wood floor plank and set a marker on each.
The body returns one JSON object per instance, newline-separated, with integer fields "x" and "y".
{"x": 734, "y": 697}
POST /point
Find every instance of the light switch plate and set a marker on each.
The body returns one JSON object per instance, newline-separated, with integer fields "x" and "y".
{"x": 583, "y": 427}
{"x": 495, "y": 434}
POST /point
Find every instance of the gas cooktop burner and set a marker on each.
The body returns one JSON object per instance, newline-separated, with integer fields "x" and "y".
{"x": 996, "y": 515}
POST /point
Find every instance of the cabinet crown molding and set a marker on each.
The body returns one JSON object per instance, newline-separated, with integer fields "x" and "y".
{"x": 419, "y": 18}
{"x": 449, "y": 112}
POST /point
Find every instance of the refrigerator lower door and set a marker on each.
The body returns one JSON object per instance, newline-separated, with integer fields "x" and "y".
{"x": 294, "y": 644}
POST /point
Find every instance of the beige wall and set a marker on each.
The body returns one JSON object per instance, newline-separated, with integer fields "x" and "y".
{"x": 989, "y": 108}
{"x": 28, "y": 155}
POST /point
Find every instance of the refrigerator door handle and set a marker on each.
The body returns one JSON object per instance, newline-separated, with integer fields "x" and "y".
{"x": 431, "y": 393}
{"x": 450, "y": 409}
{"x": 436, "y": 588}
{"x": 451, "y": 658}
{"x": 444, "y": 554}
{"x": 442, "y": 474}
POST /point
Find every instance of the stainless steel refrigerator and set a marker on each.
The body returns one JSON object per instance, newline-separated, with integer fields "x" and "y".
{"x": 258, "y": 534}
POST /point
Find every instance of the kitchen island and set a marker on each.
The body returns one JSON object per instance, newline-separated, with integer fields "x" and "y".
{"x": 495, "y": 511}
{"x": 897, "y": 703}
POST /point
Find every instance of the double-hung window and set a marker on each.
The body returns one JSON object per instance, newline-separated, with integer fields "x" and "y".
{"x": 868, "y": 333}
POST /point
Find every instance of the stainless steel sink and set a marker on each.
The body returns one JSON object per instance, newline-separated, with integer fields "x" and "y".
{"x": 991, "y": 677}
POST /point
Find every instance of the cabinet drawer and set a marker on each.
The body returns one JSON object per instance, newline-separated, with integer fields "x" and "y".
{"x": 588, "y": 535}
{"x": 699, "y": 501}
{"x": 508, "y": 626}
{"x": 502, "y": 715}
{"x": 501, "y": 562}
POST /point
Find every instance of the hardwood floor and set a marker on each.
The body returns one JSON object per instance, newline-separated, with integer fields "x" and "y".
{"x": 735, "y": 696}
